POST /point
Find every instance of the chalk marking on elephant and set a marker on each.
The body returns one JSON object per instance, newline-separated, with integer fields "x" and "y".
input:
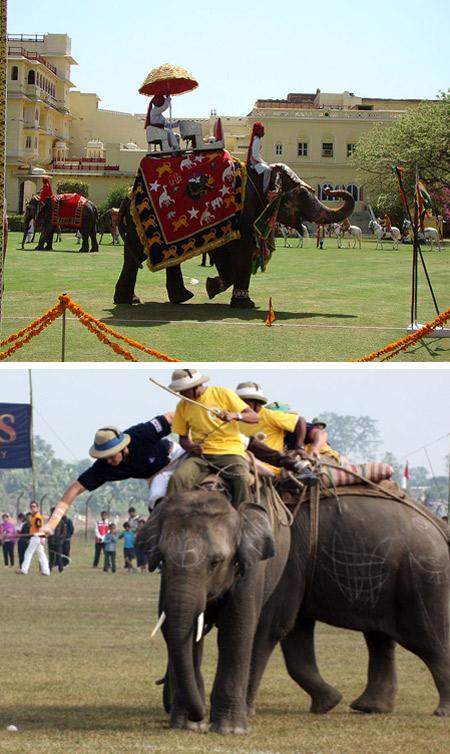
{"x": 358, "y": 573}
{"x": 186, "y": 551}
{"x": 431, "y": 568}
{"x": 437, "y": 638}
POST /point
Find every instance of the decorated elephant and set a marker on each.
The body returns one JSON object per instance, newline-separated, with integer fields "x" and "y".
{"x": 233, "y": 260}
{"x": 219, "y": 566}
{"x": 83, "y": 217}
{"x": 108, "y": 223}
{"x": 380, "y": 565}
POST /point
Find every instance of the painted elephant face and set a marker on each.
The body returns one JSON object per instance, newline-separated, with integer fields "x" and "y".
{"x": 201, "y": 533}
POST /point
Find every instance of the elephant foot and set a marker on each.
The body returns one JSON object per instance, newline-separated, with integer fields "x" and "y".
{"x": 134, "y": 301}
{"x": 443, "y": 710}
{"x": 214, "y": 286}
{"x": 372, "y": 706}
{"x": 182, "y": 297}
{"x": 180, "y": 721}
{"x": 326, "y": 702}
{"x": 241, "y": 300}
{"x": 95, "y": 250}
{"x": 226, "y": 727}
{"x": 84, "y": 251}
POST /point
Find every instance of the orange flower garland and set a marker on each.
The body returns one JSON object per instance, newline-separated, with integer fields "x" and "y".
{"x": 30, "y": 331}
{"x": 401, "y": 345}
{"x": 91, "y": 323}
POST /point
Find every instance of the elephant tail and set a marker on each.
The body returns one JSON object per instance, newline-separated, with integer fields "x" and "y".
{"x": 124, "y": 211}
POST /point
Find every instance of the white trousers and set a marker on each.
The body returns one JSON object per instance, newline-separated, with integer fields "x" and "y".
{"x": 159, "y": 482}
{"x": 35, "y": 544}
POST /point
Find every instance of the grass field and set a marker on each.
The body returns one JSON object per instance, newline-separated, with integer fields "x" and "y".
{"x": 78, "y": 672}
{"x": 330, "y": 305}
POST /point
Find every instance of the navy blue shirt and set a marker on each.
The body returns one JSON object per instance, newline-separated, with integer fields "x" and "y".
{"x": 148, "y": 453}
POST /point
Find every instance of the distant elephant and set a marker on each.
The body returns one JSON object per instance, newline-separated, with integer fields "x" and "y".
{"x": 31, "y": 209}
{"x": 108, "y": 223}
{"x": 220, "y": 563}
{"x": 44, "y": 218}
{"x": 233, "y": 261}
{"x": 382, "y": 568}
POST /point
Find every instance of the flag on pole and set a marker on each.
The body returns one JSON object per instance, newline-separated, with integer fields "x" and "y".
{"x": 423, "y": 200}
{"x": 270, "y": 314}
{"x": 218, "y": 130}
{"x": 405, "y": 477}
{"x": 398, "y": 171}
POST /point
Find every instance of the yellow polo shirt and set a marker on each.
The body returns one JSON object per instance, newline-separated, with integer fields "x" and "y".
{"x": 37, "y": 520}
{"x": 199, "y": 424}
{"x": 273, "y": 424}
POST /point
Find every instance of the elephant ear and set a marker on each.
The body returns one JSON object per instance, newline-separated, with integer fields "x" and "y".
{"x": 151, "y": 535}
{"x": 257, "y": 541}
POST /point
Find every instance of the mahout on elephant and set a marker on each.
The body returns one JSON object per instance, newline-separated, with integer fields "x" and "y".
{"x": 44, "y": 213}
{"x": 372, "y": 561}
{"x": 233, "y": 260}
{"x": 219, "y": 566}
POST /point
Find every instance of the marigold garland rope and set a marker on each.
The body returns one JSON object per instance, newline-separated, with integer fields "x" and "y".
{"x": 401, "y": 345}
{"x": 95, "y": 326}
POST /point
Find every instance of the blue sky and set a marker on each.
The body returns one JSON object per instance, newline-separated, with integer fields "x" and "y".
{"x": 242, "y": 51}
{"x": 410, "y": 405}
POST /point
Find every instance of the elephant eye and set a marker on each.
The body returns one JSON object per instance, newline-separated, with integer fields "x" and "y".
{"x": 214, "y": 562}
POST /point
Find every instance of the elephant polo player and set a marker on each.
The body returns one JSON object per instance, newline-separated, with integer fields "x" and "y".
{"x": 212, "y": 438}
{"x": 138, "y": 453}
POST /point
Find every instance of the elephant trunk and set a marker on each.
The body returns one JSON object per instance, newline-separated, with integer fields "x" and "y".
{"x": 306, "y": 206}
{"x": 181, "y": 632}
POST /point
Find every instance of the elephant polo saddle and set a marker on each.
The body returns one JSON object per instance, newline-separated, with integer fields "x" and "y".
{"x": 67, "y": 210}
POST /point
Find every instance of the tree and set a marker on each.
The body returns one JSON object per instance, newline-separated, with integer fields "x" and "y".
{"x": 419, "y": 138}
{"x": 114, "y": 198}
{"x": 73, "y": 187}
{"x": 354, "y": 436}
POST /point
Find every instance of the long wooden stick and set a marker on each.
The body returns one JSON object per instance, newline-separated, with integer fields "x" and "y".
{"x": 215, "y": 411}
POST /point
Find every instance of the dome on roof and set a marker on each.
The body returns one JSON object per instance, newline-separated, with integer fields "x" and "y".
{"x": 95, "y": 143}
{"x": 131, "y": 145}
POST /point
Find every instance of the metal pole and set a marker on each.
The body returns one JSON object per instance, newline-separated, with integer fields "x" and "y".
{"x": 86, "y": 513}
{"x": 33, "y": 469}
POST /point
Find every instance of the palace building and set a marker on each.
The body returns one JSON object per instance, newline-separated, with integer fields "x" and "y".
{"x": 53, "y": 129}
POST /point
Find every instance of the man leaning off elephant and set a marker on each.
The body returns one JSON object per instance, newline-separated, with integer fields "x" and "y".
{"x": 211, "y": 437}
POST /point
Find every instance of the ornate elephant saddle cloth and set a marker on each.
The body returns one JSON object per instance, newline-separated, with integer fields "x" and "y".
{"x": 67, "y": 210}
{"x": 187, "y": 204}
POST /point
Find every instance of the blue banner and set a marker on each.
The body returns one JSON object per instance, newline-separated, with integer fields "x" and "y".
{"x": 15, "y": 436}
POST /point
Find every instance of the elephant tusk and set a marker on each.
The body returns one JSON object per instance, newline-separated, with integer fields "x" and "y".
{"x": 161, "y": 620}
{"x": 200, "y": 624}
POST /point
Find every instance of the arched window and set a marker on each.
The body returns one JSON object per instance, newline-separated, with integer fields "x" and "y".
{"x": 323, "y": 195}
{"x": 278, "y": 149}
{"x": 14, "y": 73}
{"x": 353, "y": 190}
{"x": 31, "y": 77}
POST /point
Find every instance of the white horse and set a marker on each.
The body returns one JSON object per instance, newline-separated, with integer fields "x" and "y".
{"x": 428, "y": 234}
{"x": 383, "y": 235}
{"x": 352, "y": 230}
{"x": 288, "y": 233}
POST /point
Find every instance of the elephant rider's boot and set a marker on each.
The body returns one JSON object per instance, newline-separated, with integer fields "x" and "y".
{"x": 241, "y": 300}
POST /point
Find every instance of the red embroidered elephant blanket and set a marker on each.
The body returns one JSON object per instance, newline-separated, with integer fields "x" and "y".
{"x": 187, "y": 204}
{"x": 67, "y": 210}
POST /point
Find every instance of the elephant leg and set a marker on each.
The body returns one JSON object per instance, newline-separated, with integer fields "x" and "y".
{"x": 300, "y": 658}
{"x": 222, "y": 260}
{"x": 84, "y": 241}
{"x": 379, "y": 694}
{"x": 437, "y": 660}
{"x": 242, "y": 269}
{"x": 263, "y": 646}
{"x": 175, "y": 287}
{"x": 173, "y": 702}
{"x": 124, "y": 290}
{"x": 93, "y": 236}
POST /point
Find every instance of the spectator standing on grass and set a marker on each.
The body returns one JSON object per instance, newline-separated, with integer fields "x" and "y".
{"x": 133, "y": 519}
{"x": 8, "y": 538}
{"x": 55, "y": 545}
{"x": 36, "y": 543}
{"x": 23, "y": 531}
{"x": 129, "y": 540}
{"x": 141, "y": 556}
{"x": 68, "y": 540}
{"x": 101, "y": 529}
{"x": 110, "y": 542}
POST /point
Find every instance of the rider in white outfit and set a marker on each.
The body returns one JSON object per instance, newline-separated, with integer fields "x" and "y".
{"x": 158, "y": 105}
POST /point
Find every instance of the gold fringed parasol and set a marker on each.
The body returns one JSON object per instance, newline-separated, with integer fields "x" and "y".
{"x": 168, "y": 79}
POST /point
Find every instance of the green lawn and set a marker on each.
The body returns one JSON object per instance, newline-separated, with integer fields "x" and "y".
{"x": 330, "y": 305}
{"x": 79, "y": 671}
